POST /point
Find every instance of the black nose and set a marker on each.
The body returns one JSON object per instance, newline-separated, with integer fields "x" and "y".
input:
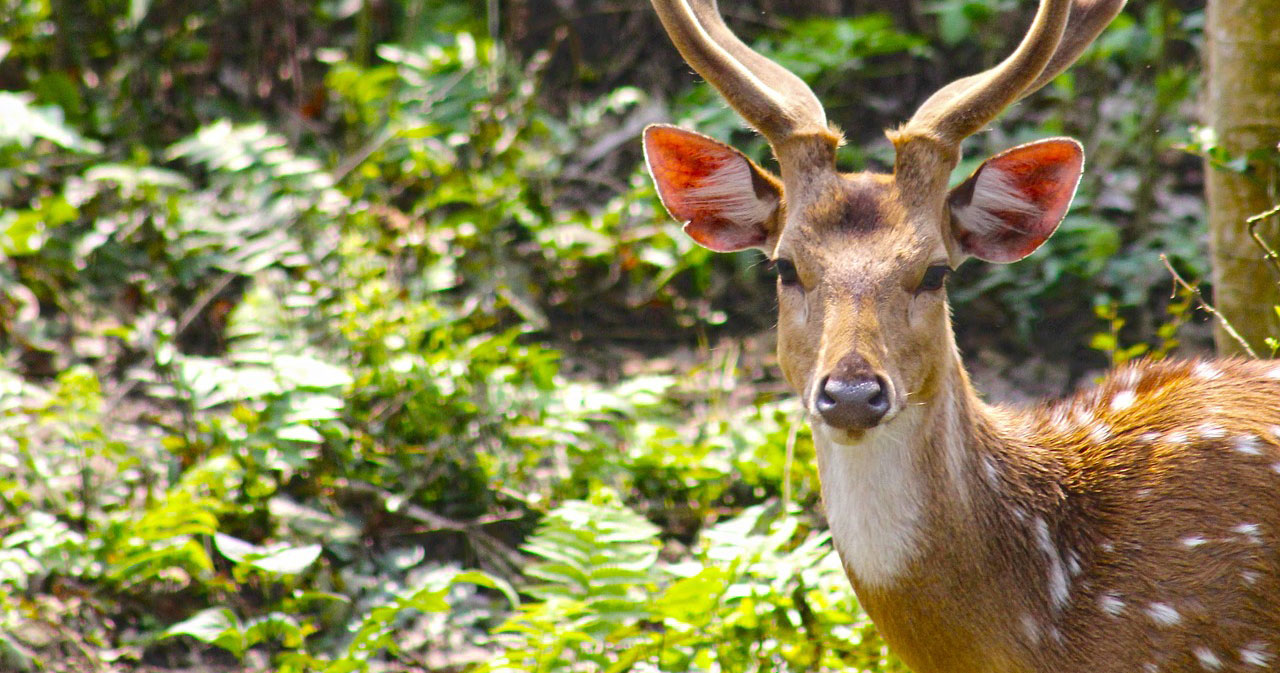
{"x": 853, "y": 404}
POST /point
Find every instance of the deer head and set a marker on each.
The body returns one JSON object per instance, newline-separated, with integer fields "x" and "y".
{"x": 862, "y": 258}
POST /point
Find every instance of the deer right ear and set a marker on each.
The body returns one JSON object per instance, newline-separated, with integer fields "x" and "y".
{"x": 1015, "y": 200}
{"x": 726, "y": 201}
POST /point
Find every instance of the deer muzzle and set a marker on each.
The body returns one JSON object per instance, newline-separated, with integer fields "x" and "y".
{"x": 853, "y": 396}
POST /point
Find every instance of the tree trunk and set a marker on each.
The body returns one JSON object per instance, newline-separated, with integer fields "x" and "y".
{"x": 1242, "y": 104}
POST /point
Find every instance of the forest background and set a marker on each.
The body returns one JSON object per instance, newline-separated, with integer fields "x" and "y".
{"x": 350, "y": 335}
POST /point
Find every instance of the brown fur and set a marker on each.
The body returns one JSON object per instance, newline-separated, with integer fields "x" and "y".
{"x": 1148, "y": 520}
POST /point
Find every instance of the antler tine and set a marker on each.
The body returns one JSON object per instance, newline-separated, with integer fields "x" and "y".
{"x": 1087, "y": 19}
{"x": 770, "y": 98}
{"x": 966, "y": 105}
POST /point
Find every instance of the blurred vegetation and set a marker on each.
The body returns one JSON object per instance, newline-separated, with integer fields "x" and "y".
{"x": 349, "y": 335}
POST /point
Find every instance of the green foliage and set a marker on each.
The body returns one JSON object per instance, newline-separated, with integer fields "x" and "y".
{"x": 24, "y": 123}
{"x": 959, "y": 20}
{"x": 1177, "y": 312}
{"x": 1273, "y": 343}
{"x": 850, "y": 46}
{"x": 758, "y": 592}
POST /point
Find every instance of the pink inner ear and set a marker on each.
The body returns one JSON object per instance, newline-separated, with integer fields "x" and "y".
{"x": 1016, "y": 199}
{"x": 711, "y": 187}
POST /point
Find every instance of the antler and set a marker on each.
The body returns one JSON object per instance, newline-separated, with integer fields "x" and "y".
{"x": 771, "y": 99}
{"x": 784, "y": 109}
{"x": 1060, "y": 32}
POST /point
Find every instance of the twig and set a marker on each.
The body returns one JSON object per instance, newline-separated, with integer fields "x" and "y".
{"x": 1272, "y": 257}
{"x": 1195, "y": 291}
{"x": 200, "y": 304}
{"x": 507, "y": 560}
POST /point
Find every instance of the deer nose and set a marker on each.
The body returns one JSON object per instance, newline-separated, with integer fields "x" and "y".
{"x": 856, "y": 403}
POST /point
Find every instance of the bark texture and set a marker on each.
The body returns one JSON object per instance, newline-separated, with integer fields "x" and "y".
{"x": 1242, "y": 103}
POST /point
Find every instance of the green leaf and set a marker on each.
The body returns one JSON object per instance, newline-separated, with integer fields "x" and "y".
{"x": 426, "y": 600}
{"x": 486, "y": 580}
{"x": 309, "y": 372}
{"x": 289, "y": 561}
{"x": 215, "y": 626}
{"x": 693, "y": 599}
{"x": 1103, "y": 341}
{"x": 234, "y": 548}
{"x": 22, "y": 123}
{"x": 21, "y": 233}
{"x": 299, "y": 432}
{"x": 559, "y": 573}
{"x": 132, "y": 179}
{"x": 277, "y": 627}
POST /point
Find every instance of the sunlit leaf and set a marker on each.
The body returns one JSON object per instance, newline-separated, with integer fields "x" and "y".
{"x": 22, "y": 122}
{"x": 288, "y": 561}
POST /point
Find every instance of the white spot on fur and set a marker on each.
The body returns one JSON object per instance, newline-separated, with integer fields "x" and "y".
{"x": 1250, "y": 577}
{"x": 1129, "y": 378}
{"x": 873, "y": 496}
{"x": 990, "y": 471}
{"x": 1275, "y": 431}
{"x": 1110, "y": 604}
{"x": 1275, "y": 467}
{"x": 1058, "y": 585}
{"x": 1123, "y": 400}
{"x": 1247, "y": 444}
{"x": 1212, "y": 431}
{"x": 1031, "y": 629}
{"x": 994, "y": 192}
{"x": 1163, "y": 614}
{"x": 1250, "y": 530}
{"x": 1149, "y": 437}
{"x": 1274, "y": 373}
{"x": 959, "y": 459}
{"x": 1055, "y": 634}
{"x": 728, "y": 190}
{"x": 1108, "y": 547}
{"x": 1150, "y": 668}
{"x": 1207, "y": 371}
{"x": 1073, "y": 563}
{"x": 1256, "y": 654}
{"x": 1176, "y": 437}
{"x": 1208, "y": 659}
{"x": 1100, "y": 432}
{"x": 1193, "y": 541}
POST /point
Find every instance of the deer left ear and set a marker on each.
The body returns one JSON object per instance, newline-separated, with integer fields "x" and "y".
{"x": 1015, "y": 200}
{"x": 726, "y": 201}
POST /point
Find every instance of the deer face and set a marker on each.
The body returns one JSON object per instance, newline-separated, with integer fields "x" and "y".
{"x": 862, "y": 258}
{"x": 861, "y": 303}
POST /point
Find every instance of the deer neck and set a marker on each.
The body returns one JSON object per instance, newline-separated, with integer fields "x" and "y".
{"x": 948, "y": 496}
{"x": 943, "y": 478}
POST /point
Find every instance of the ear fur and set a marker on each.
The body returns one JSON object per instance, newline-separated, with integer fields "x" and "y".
{"x": 1016, "y": 199}
{"x": 726, "y": 201}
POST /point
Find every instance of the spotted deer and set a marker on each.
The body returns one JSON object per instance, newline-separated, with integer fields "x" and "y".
{"x": 1134, "y": 527}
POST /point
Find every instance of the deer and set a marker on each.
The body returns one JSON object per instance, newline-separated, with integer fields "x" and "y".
{"x": 1132, "y": 527}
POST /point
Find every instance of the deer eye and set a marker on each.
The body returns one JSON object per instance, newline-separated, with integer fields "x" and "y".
{"x": 787, "y": 274}
{"x": 934, "y": 278}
